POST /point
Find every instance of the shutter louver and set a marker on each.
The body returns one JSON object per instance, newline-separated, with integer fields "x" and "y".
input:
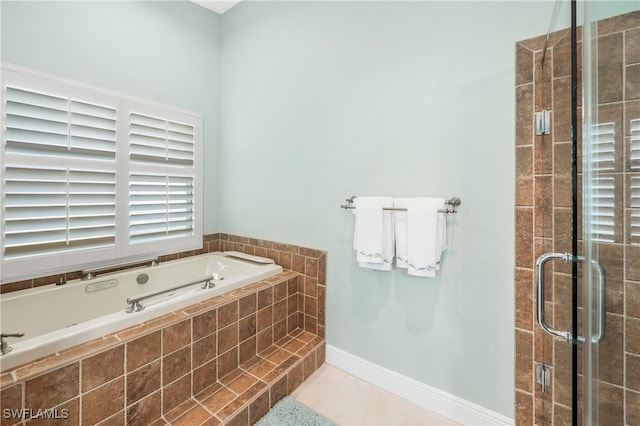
{"x": 47, "y": 125}
{"x": 602, "y": 211}
{"x": 603, "y": 187}
{"x": 603, "y": 147}
{"x": 35, "y": 123}
{"x": 159, "y": 141}
{"x": 161, "y": 206}
{"x": 56, "y": 210}
{"x": 635, "y": 210}
{"x": 93, "y": 130}
{"x": 634, "y": 144}
{"x": 634, "y": 182}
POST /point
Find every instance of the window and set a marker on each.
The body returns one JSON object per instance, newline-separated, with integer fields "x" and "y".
{"x": 90, "y": 177}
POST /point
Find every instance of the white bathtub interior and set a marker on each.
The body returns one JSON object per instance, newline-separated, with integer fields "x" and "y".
{"x": 55, "y": 317}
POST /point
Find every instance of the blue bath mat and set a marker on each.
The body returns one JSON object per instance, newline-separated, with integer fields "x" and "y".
{"x": 290, "y": 412}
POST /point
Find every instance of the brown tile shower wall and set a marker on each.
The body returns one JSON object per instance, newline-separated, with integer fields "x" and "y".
{"x": 542, "y": 207}
{"x": 543, "y": 224}
{"x": 226, "y": 360}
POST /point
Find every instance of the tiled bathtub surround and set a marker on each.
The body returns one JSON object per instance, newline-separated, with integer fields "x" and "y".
{"x": 226, "y": 360}
{"x": 310, "y": 263}
{"x": 543, "y": 224}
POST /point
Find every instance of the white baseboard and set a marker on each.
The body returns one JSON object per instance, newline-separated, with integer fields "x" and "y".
{"x": 430, "y": 398}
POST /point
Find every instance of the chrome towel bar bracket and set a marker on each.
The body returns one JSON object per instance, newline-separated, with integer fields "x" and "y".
{"x": 452, "y": 205}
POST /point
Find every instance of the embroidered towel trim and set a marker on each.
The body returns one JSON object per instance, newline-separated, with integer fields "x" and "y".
{"x": 373, "y": 238}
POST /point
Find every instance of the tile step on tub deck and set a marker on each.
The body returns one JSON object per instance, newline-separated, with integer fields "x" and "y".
{"x": 246, "y": 394}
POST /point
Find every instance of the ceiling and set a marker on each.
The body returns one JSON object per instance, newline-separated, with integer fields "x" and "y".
{"x": 218, "y": 6}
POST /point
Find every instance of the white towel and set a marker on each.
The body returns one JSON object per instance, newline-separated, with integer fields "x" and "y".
{"x": 373, "y": 237}
{"x": 421, "y": 235}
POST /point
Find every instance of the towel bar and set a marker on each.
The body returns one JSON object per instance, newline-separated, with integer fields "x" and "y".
{"x": 454, "y": 202}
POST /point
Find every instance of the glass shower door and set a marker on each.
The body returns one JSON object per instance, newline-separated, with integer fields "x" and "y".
{"x": 611, "y": 212}
{"x": 587, "y": 204}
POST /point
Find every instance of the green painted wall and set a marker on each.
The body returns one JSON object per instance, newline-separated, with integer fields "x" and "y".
{"x": 324, "y": 100}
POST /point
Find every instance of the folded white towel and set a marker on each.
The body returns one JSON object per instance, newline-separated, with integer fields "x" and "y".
{"x": 373, "y": 237}
{"x": 421, "y": 235}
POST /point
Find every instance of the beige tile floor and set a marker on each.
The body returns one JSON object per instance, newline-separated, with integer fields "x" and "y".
{"x": 348, "y": 400}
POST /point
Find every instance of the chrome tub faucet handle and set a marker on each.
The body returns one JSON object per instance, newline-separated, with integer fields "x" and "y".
{"x": 4, "y": 346}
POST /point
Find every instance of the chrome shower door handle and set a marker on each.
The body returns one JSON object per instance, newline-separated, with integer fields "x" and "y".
{"x": 566, "y": 335}
{"x": 540, "y": 263}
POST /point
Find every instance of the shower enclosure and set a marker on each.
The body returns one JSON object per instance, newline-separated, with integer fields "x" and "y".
{"x": 578, "y": 218}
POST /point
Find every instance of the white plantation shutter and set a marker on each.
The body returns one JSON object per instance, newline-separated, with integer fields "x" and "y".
{"x": 50, "y": 210}
{"x": 159, "y": 141}
{"x": 603, "y": 209}
{"x": 634, "y": 144}
{"x": 88, "y": 181}
{"x": 92, "y": 129}
{"x": 161, "y": 184}
{"x": 43, "y": 124}
{"x": 603, "y": 187}
{"x": 161, "y": 206}
{"x": 634, "y": 225}
{"x": 634, "y": 181}
{"x": 35, "y": 123}
{"x": 603, "y": 148}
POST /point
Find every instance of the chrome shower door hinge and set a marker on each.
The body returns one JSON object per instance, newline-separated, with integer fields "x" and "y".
{"x": 543, "y": 122}
{"x": 543, "y": 375}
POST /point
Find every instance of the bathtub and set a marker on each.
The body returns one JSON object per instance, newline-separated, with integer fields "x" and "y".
{"x": 57, "y": 317}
